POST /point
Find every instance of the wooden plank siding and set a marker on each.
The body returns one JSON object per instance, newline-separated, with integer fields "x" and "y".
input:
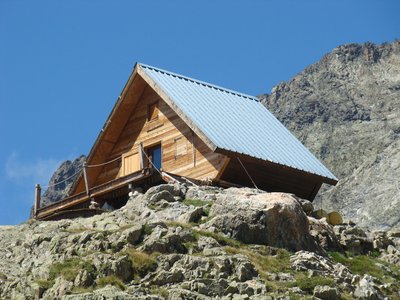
{"x": 198, "y": 162}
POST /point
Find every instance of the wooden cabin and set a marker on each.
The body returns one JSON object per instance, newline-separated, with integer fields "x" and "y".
{"x": 167, "y": 127}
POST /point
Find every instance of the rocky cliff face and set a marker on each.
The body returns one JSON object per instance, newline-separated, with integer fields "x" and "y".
{"x": 346, "y": 109}
{"x": 62, "y": 180}
{"x": 189, "y": 242}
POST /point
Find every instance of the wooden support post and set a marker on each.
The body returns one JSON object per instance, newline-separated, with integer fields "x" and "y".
{"x": 36, "y": 205}
{"x": 86, "y": 177}
{"x": 141, "y": 156}
{"x": 193, "y": 149}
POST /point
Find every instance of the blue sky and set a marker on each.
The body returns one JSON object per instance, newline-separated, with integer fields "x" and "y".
{"x": 64, "y": 63}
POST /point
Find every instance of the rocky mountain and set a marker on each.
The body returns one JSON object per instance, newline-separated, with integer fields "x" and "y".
{"x": 62, "y": 180}
{"x": 190, "y": 242}
{"x": 346, "y": 109}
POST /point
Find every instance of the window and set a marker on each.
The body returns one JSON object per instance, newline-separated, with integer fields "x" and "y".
{"x": 152, "y": 111}
{"x": 180, "y": 146}
{"x": 154, "y": 154}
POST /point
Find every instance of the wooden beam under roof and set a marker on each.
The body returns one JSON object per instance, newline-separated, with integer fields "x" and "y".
{"x": 314, "y": 177}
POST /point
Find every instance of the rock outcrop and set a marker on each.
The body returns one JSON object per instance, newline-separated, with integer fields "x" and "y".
{"x": 274, "y": 219}
{"x": 345, "y": 108}
{"x": 141, "y": 251}
{"x": 61, "y": 181}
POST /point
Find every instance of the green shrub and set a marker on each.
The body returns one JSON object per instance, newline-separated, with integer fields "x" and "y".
{"x": 110, "y": 280}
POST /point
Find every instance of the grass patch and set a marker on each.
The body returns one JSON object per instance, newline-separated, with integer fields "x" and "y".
{"x": 293, "y": 296}
{"x": 205, "y": 220}
{"x": 69, "y": 269}
{"x": 364, "y": 264}
{"x": 142, "y": 263}
{"x": 154, "y": 207}
{"x": 346, "y": 295}
{"x": 147, "y": 229}
{"x": 45, "y": 284}
{"x": 265, "y": 263}
{"x": 308, "y": 284}
{"x": 207, "y": 209}
{"x": 190, "y": 245}
{"x": 179, "y": 224}
{"x": 196, "y": 202}
{"x": 81, "y": 289}
{"x": 111, "y": 280}
{"x": 224, "y": 241}
{"x": 359, "y": 264}
{"x": 77, "y": 229}
{"x": 3, "y": 276}
{"x": 156, "y": 290}
{"x": 374, "y": 253}
{"x": 205, "y": 204}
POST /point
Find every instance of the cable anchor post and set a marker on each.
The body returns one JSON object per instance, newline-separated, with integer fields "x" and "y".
{"x": 36, "y": 205}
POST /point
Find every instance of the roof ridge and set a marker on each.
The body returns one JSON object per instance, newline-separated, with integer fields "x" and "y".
{"x": 200, "y": 82}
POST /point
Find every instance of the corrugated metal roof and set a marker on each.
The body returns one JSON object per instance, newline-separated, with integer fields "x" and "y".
{"x": 236, "y": 122}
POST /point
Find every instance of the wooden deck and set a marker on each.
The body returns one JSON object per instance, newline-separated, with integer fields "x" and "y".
{"x": 55, "y": 209}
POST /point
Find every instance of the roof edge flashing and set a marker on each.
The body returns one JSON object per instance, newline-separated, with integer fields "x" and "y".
{"x": 200, "y": 82}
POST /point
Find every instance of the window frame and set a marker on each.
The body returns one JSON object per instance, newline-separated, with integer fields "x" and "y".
{"x": 183, "y": 140}
{"x": 149, "y": 114}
